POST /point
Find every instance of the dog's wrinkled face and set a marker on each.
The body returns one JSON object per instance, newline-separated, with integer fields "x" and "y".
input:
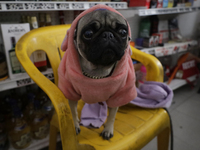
{"x": 102, "y": 37}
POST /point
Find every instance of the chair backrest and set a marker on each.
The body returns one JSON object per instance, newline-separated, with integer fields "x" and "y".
{"x": 49, "y": 39}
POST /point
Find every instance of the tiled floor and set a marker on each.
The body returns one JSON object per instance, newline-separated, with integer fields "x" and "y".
{"x": 185, "y": 114}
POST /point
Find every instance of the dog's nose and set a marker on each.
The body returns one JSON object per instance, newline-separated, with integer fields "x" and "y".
{"x": 107, "y": 35}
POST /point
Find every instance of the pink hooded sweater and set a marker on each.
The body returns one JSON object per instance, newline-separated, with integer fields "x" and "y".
{"x": 116, "y": 90}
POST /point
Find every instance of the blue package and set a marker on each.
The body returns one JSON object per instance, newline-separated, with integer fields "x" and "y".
{"x": 165, "y": 3}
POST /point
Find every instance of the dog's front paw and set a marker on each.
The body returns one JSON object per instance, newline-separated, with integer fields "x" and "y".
{"x": 106, "y": 135}
{"x": 78, "y": 130}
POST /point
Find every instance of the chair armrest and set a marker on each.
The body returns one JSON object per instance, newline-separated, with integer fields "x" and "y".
{"x": 58, "y": 99}
{"x": 152, "y": 64}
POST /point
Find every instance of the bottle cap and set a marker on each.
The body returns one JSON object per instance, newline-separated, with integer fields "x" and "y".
{"x": 33, "y": 19}
{"x": 143, "y": 69}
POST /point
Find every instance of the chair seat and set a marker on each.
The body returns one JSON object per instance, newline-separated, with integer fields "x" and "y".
{"x": 144, "y": 123}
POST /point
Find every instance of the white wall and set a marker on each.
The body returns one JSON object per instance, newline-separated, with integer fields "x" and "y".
{"x": 188, "y": 23}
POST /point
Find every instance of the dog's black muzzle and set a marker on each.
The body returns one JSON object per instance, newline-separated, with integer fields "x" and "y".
{"x": 106, "y": 49}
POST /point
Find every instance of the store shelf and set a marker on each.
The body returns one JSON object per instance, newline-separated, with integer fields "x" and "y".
{"x": 161, "y": 11}
{"x": 176, "y": 83}
{"x": 37, "y": 144}
{"x": 6, "y": 6}
{"x": 170, "y": 49}
{"x": 23, "y": 80}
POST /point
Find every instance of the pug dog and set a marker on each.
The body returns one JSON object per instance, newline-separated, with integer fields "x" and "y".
{"x": 101, "y": 38}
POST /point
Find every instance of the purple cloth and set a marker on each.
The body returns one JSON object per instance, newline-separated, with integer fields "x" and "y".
{"x": 153, "y": 95}
{"x": 94, "y": 115}
{"x": 149, "y": 95}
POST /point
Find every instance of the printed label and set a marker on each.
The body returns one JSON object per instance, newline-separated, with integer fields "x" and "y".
{"x": 43, "y": 131}
{"x": 39, "y": 56}
{"x": 188, "y": 65}
{"x": 24, "y": 82}
{"x": 24, "y": 140}
{"x": 20, "y": 128}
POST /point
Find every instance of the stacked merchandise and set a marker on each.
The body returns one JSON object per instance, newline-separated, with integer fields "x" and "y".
{"x": 149, "y": 34}
{"x": 159, "y": 33}
{"x": 11, "y": 33}
{"x": 24, "y": 118}
{"x": 160, "y": 3}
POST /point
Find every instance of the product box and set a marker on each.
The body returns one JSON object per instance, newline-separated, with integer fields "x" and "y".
{"x": 160, "y": 4}
{"x": 11, "y": 33}
{"x": 170, "y": 3}
{"x": 148, "y": 42}
{"x": 165, "y": 3}
{"x": 163, "y": 30}
{"x": 136, "y": 3}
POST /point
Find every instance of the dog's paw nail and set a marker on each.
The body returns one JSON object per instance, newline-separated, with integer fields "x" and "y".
{"x": 106, "y": 135}
{"x": 78, "y": 130}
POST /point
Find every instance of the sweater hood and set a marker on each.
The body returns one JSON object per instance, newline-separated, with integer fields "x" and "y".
{"x": 69, "y": 38}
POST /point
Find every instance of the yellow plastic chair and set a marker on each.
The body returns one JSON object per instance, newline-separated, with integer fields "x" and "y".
{"x": 134, "y": 127}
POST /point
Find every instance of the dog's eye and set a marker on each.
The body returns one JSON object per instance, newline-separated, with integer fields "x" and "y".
{"x": 123, "y": 32}
{"x": 88, "y": 34}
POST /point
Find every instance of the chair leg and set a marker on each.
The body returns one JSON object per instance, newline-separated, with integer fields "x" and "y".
{"x": 53, "y": 137}
{"x": 163, "y": 139}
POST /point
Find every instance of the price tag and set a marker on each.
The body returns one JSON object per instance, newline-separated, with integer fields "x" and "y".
{"x": 181, "y": 9}
{"x": 159, "y": 11}
{"x": 77, "y": 5}
{"x": 110, "y": 5}
{"x": 62, "y": 6}
{"x": 24, "y": 82}
{"x": 48, "y": 6}
{"x": 187, "y": 9}
{"x": 194, "y": 9}
{"x": 92, "y": 4}
{"x": 174, "y": 10}
{"x": 120, "y": 6}
{"x": 159, "y": 52}
{"x": 142, "y": 12}
{"x": 14, "y": 6}
{"x": 183, "y": 47}
{"x": 164, "y": 51}
{"x": 49, "y": 76}
{"x": 152, "y": 51}
{"x": 38, "y": 6}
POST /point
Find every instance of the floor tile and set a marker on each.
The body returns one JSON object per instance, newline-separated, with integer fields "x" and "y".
{"x": 187, "y": 129}
{"x": 191, "y": 107}
{"x": 181, "y": 145}
{"x": 151, "y": 145}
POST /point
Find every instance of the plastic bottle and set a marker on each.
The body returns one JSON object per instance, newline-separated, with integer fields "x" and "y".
{"x": 39, "y": 122}
{"x": 48, "y": 109}
{"x": 29, "y": 109}
{"x": 4, "y": 143}
{"x": 143, "y": 72}
{"x": 3, "y": 67}
{"x": 20, "y": 134}
{"x": 15, "y": 64}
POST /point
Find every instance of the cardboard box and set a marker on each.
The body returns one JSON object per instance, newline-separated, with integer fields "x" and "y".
{"x": 16, "y": 31}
